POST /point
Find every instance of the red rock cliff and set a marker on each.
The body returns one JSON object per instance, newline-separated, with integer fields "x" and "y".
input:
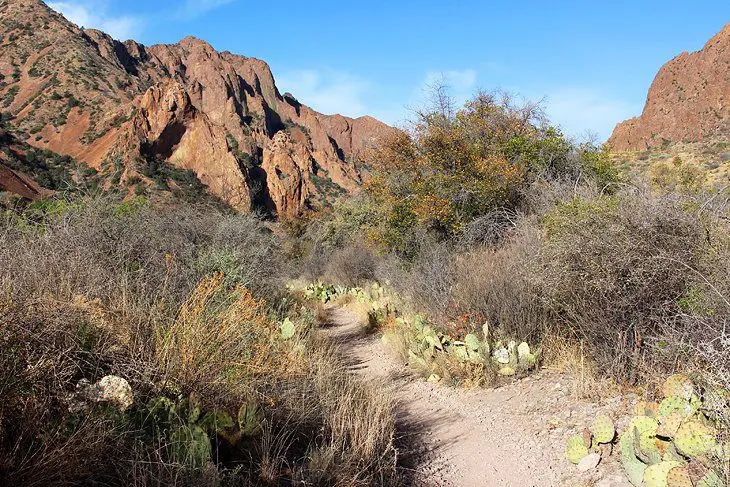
{"x": 688, "y": 101}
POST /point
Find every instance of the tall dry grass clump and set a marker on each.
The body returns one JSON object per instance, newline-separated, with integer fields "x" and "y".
{"x": 214, "y": 330}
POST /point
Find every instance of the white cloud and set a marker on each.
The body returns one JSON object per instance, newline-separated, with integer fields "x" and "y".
{"x": 583, "y": 110}
{"x": 195, "y": 8}
{"x": 95, "y": 15}
{"x": 327, "y": 91}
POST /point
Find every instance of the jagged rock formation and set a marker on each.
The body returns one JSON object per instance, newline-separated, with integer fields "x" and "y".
{"x": 689, "y": 100}
{"x": 124, "y": 108}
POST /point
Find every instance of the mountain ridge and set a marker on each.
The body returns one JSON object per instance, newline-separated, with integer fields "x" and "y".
{"x": 122, "y": 106}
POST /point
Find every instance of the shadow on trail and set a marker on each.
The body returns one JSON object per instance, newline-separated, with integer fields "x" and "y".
{"x": 415, "y": 427}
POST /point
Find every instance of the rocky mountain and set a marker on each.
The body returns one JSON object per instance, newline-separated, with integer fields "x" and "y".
{"x": 688, "y": 101}
{"x": 132, "y": 112}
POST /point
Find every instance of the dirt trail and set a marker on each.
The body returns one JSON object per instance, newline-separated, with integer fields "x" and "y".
{"x": 510, "y": 436}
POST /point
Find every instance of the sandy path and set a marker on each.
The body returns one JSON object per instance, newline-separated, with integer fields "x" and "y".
{"x": 510, "y": 436}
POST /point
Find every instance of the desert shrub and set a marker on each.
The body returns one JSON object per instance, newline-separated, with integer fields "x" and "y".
{"x": 428, "y": 279}
{"x": 495, "y": 285}
{"x": 351, "y": 266}
{"x": 676, "y": 175}
{"x": 110, "y": 248}
{"x": 612, "y": 270}
{"x": 630, "y": 276}
{"x": 43, "y": 352}
{"x": 316, "y": 242}
{"x": 489, "y": 230}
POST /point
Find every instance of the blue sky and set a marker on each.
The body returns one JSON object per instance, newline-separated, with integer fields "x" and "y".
{"x": 591, "y": 62}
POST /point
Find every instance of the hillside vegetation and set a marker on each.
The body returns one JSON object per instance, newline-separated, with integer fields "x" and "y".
{"x": 145, "y": 346}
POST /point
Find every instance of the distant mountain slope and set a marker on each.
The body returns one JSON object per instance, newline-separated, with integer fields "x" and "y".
{"x": 124, "y": 109}
{"x": 689, "y": 100}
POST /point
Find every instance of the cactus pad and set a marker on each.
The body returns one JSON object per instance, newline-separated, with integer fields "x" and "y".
{"x": 695, "y": 439}
{"x": 679, "y": 385}
{"x": 670, "y": 424}
{"x": 633, "y": 467}
{"x": 656, "y": 475}
{"x": 675, "y": 404}
{"x": 514, "y": 358}
{"x": 506, "y": 371}
{"x": 432, "y": 338}
{"x": 190, "y": 445}
{"x": 576, "y": 449}
{"x": 250, "y": 419}
{"x": 672, "y": 455}
{"x": 603, "y": 430}
{"x": 646, "y": 447}
{"x": 472, "y": 342}
{"x": 460, "y": 352}
{"x": 679, "y": 477}
{"x": 710, "y": 479}
{"x": 644, "y": 424}
{"x": 287, "y": 329}
{"x": 523, "y": 350}
{"x": 644, "y": 408}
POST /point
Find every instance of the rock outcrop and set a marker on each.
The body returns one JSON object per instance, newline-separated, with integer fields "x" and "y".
{"x": 121, "y": 106}
{"x": 688, "y": 101}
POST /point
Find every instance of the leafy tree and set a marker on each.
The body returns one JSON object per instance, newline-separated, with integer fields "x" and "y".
{"x": 453, "y": 166}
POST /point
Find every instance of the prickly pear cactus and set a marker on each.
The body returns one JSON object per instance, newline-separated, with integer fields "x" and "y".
{"x": 645, "y": 425}
{"x": 526, "y": 358}
{"x": 189, "y": 445}
{"x": 656, "y": 475}
{"x": 710, "y": 479}
{"x": 647, "y": 447}
{"x": 679, "y": 385}
{"x": 695, "y": 439}
{"x": 514, "y": 358}
{"x": 576, "y": 449}
{"x": 664, "y": 437}
{"x": 675, "y": 404}
{"x": 472, "y": 342}
{"x": 432, "y": 338}
{"x": 419, "y": 322}
{"x": 603, "y": 430}
{"x": 668, "y": 425}
{"x": 460, "y": 352}
{"x": 506, "y": 371}
{"x": 679, "y": 477}
{"x": 287, "y": 329}
{"x": 633, "y": 467}
{"x": 650, "y": 409}
{"x": 672, "y": 455}
{"x": 250, "y": 419}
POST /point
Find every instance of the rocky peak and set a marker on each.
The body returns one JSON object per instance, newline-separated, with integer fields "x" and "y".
{"x": 84, "y": 94}
{"x": 688, "y": 101}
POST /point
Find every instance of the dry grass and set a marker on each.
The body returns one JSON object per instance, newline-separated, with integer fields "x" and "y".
{"x": 203, "y": 348}
{"x": 571, "y": 358}
{"x": 360, "y": 430}
{"x": 97, "y": 288}
{"x": 495, "y": 285}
